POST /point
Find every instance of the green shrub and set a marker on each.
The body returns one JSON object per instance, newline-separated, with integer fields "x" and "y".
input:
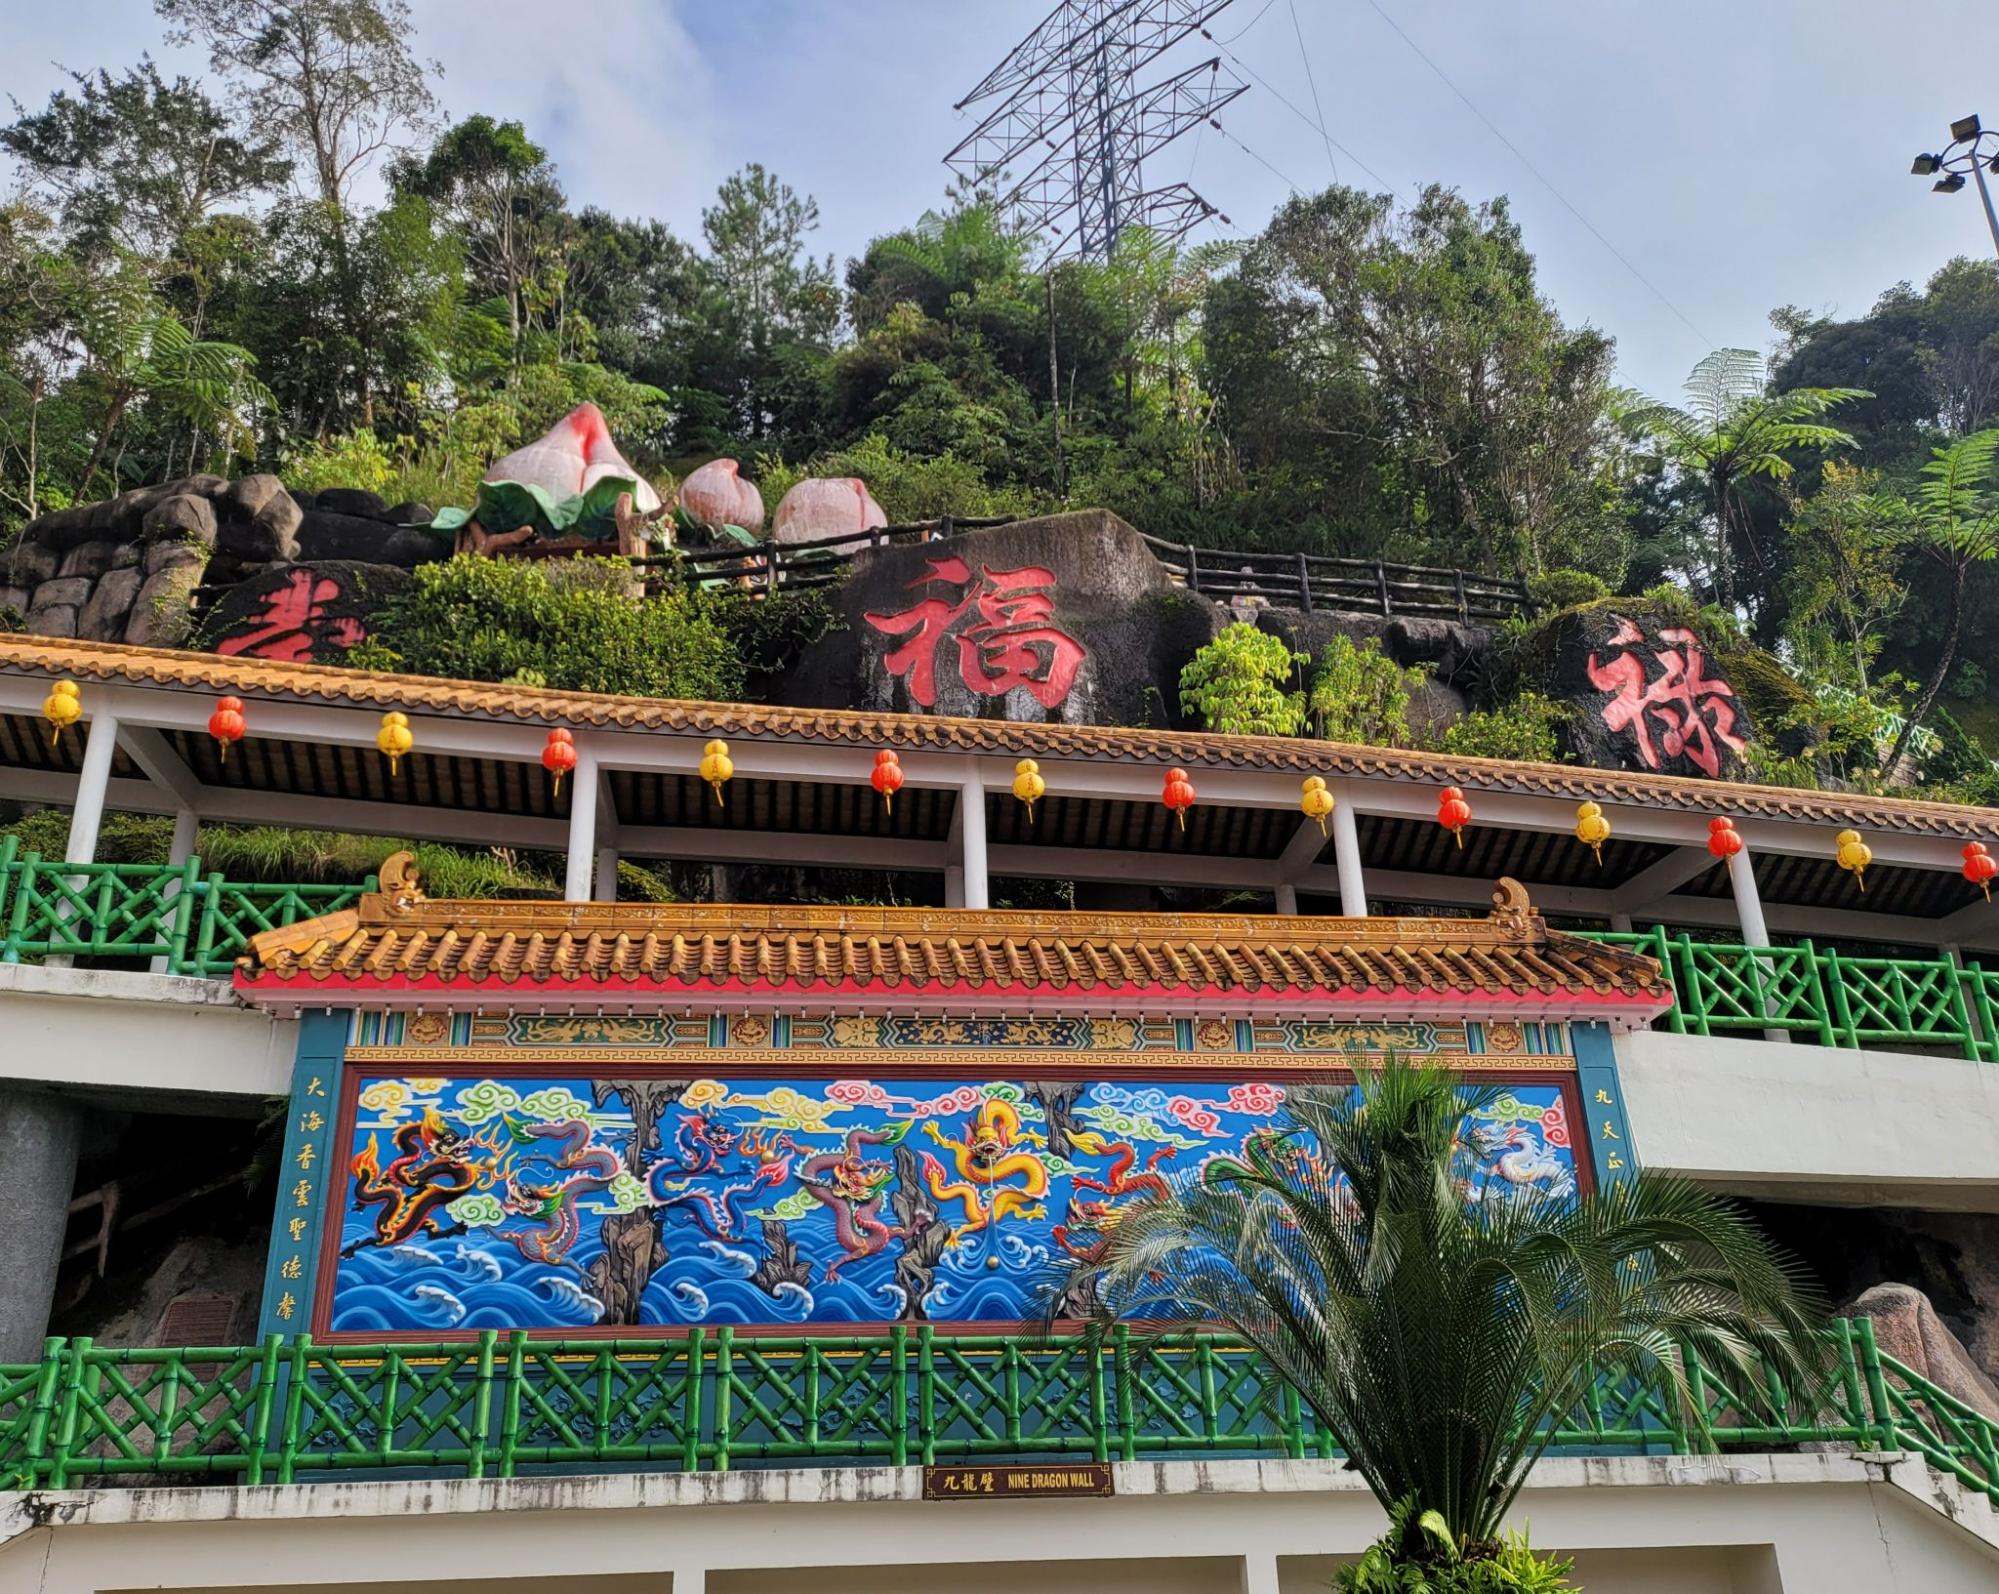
{"x": 1417, "y": 1556}
{"x": 1564, "y": 589}
{"x": 479, "y": 619}
{"x": 1359, "y": 694}
{"x": 770, "y": 634}
{"x": 351, "y": 459}
{"x": 1526, "y": 730}
{"x": 1237, "y": 684}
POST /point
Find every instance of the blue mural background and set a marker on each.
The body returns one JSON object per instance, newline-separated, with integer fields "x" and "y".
{"x": 476, "y": 1202}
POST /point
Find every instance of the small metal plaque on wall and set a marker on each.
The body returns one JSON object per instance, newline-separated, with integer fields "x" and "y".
{"x": 1091, "y": 1478}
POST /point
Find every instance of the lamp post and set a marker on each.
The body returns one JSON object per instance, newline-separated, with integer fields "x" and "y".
{"x": 1968, "y": 151}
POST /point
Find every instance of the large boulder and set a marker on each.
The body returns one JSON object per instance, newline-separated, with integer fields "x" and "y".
{"x": 327, "y": 534}
{"x": 103, "y": 615}
{"x": 301, "y": 611}
{"x": 1066, "y": 618}
{"x": 1907, "y": 1327}
{"x": 30, "y": 564}
{"x": 265, "y": 535}
{"x": 352, "y": 501}
{"x": 1647, "y": 693}
{"x": 88, "y": 560}
{"x": 181, "y": 518}
{"x": 716, "y": 494}
{"x": 162, "y": 613}
{"x": 825, "y": 506}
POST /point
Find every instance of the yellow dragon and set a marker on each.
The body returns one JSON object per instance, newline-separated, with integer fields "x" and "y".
{"x": 985, "y": 1158}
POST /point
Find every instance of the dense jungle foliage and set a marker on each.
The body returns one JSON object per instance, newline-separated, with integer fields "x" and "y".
{"x": 300, "y": 262}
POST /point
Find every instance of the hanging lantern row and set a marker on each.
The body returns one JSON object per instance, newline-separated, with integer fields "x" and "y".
{"x": 887, "y": 777}
{"x": 1979, "y": 867}
{"x": 1314, "y": 801}
{"x": 558, "y": 757}
{"x": 62, "y": 708}
{"x": 1592, "y": 829}
{"x": 227, "y": 725}
{"x": 1854, "y": 855}
{"x": 717, "y": 767}
{"x": 1028, "y": 786}
{"x": 394, "y": 738}
{"x": 1453, "y": 813}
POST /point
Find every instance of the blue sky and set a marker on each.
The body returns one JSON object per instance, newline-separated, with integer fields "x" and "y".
{"x": 1739, "y": 153}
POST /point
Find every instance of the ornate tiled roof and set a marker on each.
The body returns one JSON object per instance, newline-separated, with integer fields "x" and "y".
{"x": 612, "y": 952}
{"x": 114, "y": 662}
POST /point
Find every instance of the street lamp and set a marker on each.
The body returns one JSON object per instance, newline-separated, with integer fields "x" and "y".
{"x": 1972, "y": 149}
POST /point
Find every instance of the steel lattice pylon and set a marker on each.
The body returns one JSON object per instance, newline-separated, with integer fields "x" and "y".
{"x": 1066, "y": 106}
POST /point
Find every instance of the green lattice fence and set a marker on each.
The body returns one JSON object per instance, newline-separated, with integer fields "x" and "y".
{"x": 192, "y": 922}
{"x": 291, "y": 1410}
{"x": 1822, "y": 995}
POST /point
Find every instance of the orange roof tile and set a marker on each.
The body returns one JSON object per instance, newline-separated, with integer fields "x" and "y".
{"x": 107, "y": 661}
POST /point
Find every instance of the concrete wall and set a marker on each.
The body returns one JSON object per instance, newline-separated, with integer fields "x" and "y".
{"x": 1815, "y": 1123}
{"x": 1807, "y": 1524}
{"x": 117, "y": 1037}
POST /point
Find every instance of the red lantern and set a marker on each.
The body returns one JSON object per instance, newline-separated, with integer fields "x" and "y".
{"x": 887, "y": 777}
{"x": 1453, "y": 812}
{"x": 1979, "y": 867}
{"x": 1723, "y": 839}
{"x": 1178, "y": 794}
{"x": 226, "y": 724}
{"x": 559, "y": 756}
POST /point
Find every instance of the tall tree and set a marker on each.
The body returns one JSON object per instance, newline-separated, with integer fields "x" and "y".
{"x": 1844, "y": 574}
{"x": 139, "y": 163}
{"x": 496, "y": 190}
{"x": 1957, "y": 525}
{"x": 337, "y": 83}
{"x": 1731, "y": 431}
{"x": 1440, "y": 1341}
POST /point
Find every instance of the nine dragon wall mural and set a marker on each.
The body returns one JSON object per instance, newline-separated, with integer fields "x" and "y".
{"x": 557, "y": 1202}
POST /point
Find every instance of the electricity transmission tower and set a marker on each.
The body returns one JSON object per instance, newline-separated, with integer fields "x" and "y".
{"x": 1066, "y": 105}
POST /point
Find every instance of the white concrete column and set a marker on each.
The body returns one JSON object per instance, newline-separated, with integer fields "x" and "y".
{"x": 1346, "y": 859}
{"x": 718, "y": 882}
{"x": 605, "y": 886}
{"x": 690, "y": 1580}
{"x": 972, "y": 825}
{"x": 88, "y": 813}
{"x": 39, "y": 1137}
{"x": 1749, "y": 915}
{"x": 1287, "y": 898}
{"x": 1620, "y": 923}
{"x": 1259, "y": 1574}
{"x": 954, "y": 885}
{"x": 582, "y": 858}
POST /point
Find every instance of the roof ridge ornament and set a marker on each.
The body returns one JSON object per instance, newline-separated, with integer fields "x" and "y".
{"x": 401, "y": 882}
{"x": 1512, "y": 912}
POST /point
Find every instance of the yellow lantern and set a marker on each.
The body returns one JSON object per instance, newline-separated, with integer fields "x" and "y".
{"x": 62, "y": 708}
{"x": 1028, "y": 785}
{"x": 1854, "y": 856}
{"x": 1314, "y": 801}
{"x": 1592, "y": 829}
{"x": 394, "y": 737}
{"x": 716, "y": 767}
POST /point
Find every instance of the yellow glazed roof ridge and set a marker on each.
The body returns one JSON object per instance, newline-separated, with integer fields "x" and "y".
{"x": 1511, "y": 951}
{"x": 119, "y": 663}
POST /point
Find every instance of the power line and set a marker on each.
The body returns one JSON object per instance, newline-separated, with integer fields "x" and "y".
{"x": 1282, "y": 99}
{"x": 1540, "y": 176}
{"x": 1312, "y": 82}
{"x": 1239, "y": 32}
{"x": 1252, "y": 154}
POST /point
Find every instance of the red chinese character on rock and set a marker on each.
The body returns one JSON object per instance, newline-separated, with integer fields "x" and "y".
{"x": 296, "y": 622}
{"x": 1692, "y": 712}
{"x": 1002, "y": 621}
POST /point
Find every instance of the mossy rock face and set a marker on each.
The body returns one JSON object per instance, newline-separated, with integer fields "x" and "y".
{"x": 1648, "y": 693}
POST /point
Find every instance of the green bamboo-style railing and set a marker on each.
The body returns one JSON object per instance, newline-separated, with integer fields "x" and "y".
{"x": 1824, "y": 995}
{"x": 290, "y": 1410}
{"x": 196, "y": 921}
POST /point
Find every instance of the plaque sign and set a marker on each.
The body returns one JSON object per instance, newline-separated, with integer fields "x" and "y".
{"x": 1019, "y": 1481}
